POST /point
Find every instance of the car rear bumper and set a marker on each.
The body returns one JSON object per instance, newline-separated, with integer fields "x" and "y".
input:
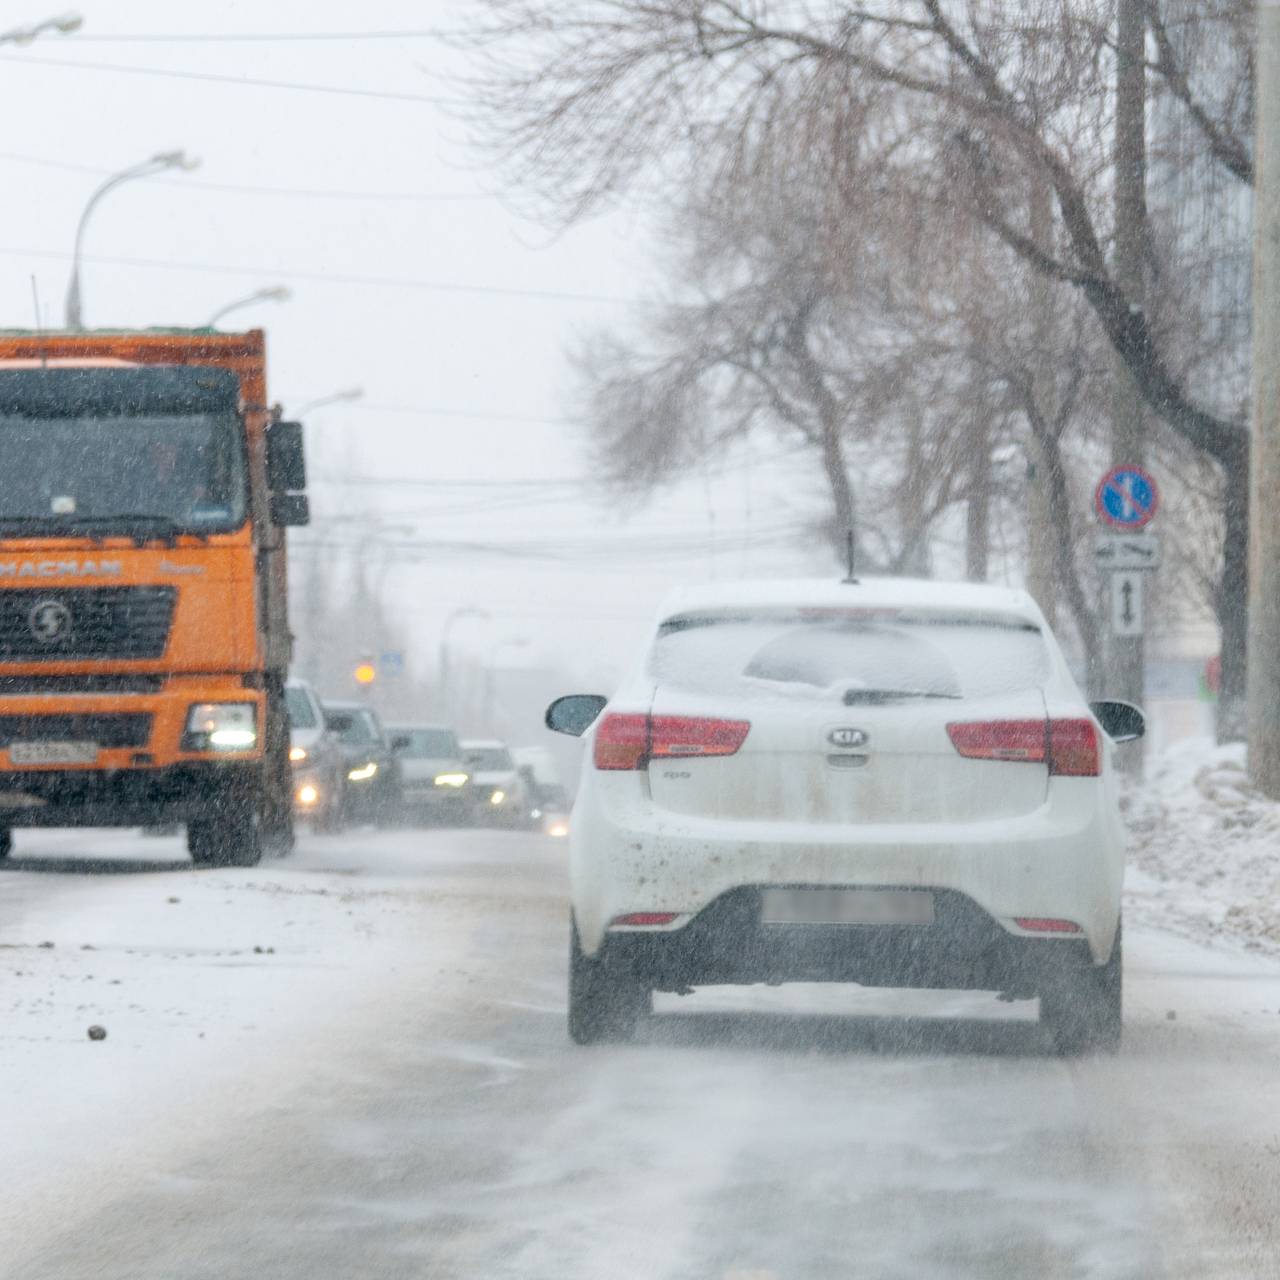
{"x": 1064, "y": 861}
{"x": 964, "y": 948}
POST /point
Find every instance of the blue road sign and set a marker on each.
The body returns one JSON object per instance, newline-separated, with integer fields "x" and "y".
{"x": 1127, "y": 498}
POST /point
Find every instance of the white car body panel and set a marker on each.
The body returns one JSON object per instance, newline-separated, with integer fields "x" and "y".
{"x": 1018, "y": 842}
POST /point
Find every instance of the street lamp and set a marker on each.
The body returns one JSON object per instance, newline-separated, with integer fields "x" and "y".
{"x": 351, "y": 393}
{"x": 159, "y": 163}
{"x": 274, "y": 293}
{"x": 64, "y": 25}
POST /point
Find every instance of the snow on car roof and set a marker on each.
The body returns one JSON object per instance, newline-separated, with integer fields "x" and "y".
{"x": 829, "y": 593}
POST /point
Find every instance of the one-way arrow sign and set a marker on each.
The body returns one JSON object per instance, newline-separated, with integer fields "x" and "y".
{"x": 1126, "y": 604}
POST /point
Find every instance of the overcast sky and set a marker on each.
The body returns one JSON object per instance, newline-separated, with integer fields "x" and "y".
{"x": 411, "y": 279}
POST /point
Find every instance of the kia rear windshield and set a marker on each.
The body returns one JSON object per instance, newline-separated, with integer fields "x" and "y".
{"x": 860, "y": 656}
{"x": 100, "y": 474}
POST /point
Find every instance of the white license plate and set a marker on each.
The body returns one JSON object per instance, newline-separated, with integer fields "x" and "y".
{"x": 53, "y": 752}
{"x": 846, "y": 906}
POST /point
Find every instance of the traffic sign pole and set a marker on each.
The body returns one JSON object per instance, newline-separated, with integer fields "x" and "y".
{"x": 1127, "y": 499}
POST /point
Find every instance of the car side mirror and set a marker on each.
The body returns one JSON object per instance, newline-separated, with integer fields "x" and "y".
{"x": 575, "y": 713}
{"x": 286, "y": 460}
{"x": 290, "y": 510}
{"x": 400, "y": 741}
{"x": 1121, "y": 721}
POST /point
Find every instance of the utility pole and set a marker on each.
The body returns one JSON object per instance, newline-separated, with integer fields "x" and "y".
{"x": 1264, "y": 482}
{"x": 1125, "y": 653}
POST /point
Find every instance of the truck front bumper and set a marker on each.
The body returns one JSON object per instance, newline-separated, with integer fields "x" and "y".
{"x": 140, "y": 772}
{"x": 124, "y": 797}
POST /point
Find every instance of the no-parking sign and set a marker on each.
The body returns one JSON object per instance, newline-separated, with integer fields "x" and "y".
{"x": 1127, "y": 498}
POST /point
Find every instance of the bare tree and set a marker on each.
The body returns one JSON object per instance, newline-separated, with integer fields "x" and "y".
{"x": 976, "y": 100}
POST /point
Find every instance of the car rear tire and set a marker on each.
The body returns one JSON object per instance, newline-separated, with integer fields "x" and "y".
{"x": 603, "y": 1004}
{"x": 232, "y": 840}
{"x": 1084, "y": 1012}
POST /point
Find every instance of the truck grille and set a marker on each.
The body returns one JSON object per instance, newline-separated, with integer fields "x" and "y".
{"x": 93, "y": 622}
{"x": 106, "y": 730}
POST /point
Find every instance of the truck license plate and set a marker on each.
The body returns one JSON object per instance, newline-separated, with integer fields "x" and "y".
{"x": 53, "y": 752}
{"x": 846, "y": 906}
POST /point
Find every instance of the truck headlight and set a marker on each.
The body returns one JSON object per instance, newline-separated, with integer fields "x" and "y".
{"x": 221, "y": 726}
{"x": 308, "y": 795}
{"x": 452, "y": 779}
{"x": 364, "y": 772}
{"x": 297, "y": 755}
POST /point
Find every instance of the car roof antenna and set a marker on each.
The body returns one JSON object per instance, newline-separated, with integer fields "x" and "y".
{"x": 851, "y": 548}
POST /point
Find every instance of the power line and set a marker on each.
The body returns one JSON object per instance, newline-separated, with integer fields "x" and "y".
{"x": 322, "y": 277}
{"x": 213, "y": 77}
{"x": 240, "y": 188}
{"x": 262, "y": 37}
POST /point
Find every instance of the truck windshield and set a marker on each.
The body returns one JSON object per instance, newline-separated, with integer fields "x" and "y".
{"x": 185, "y": 471}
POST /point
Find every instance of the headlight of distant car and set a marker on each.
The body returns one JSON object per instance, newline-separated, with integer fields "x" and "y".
{"x": 297, "y": 754}
{"x": 559, "y": 829}
{"x": 497, "y": 797}
{"x": 308, "y": 795}
{"x": 364, "y": 772}
{"x": 221, "y": 726}
{"x": 452, "y": 779}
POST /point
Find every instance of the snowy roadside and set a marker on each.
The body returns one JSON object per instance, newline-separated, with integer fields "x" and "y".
{"x": 1204, "y": 849}
{"x": 199, "y": 981}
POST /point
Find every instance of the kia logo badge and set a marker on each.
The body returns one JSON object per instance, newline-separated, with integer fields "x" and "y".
{"x": 848, "y": 737}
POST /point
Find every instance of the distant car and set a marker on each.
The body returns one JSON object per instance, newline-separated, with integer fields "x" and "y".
{"x": 435, "y": 781}
{"x": 500, "y": 793}
{"x": 891, "y": 783}
{"x": 316, "y": 759}
{"x": 548, "y": 800}
{"x": 371, "y": 788}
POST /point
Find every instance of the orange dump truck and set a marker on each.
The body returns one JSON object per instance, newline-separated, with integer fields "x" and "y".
{"x": 144, "y": 640}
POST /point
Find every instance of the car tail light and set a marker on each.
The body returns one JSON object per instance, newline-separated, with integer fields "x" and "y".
{"x": 622, "y": 742}
{"x": 1070, "y": 746}
{"x": 1000, "y": 739}
{"x": 1041, "y": 924}
{"x": 646, "y": 919}
{"x": 1073, "y": 749}
{"x": 628, "y": 741}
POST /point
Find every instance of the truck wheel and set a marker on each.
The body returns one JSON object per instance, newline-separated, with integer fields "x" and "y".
{"x": 1084, "y": 1012}
{"x": 603, "y": 1005}
{"x": 229, "y": 841}
{"x": 6, "y": 842}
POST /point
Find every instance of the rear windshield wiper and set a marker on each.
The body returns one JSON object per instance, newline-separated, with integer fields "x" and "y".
{"x": 872, "y": 697}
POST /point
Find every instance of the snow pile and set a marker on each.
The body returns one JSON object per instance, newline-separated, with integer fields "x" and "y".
{"x": 1206, "y": 846}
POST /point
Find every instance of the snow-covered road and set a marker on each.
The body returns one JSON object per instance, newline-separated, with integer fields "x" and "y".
{"x": 353, "y": 1063}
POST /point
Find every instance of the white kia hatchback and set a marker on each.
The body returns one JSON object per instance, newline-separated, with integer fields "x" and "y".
{"x": 891, "y": 783}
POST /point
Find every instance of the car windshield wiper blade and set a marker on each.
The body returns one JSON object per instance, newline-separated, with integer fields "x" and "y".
{"x": 852, "y": 697}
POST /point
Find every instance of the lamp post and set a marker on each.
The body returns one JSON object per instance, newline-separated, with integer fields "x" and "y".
{"x": 350, "y": 393}
{"x": 64, "y": 25}
{"x": 273, "y": 293}
{"x": 159, "y": 163}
